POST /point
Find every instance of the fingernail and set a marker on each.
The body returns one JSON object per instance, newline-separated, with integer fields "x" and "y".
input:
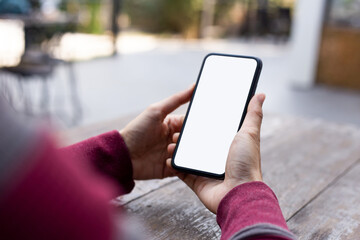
{"x": 261, "y": 97}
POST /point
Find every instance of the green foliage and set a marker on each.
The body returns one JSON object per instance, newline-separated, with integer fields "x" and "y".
{"x": 91, "y": 7}
{"x": 94, "y": 24}
{"x": 158, "y": 16}
{"x": 222, "y": 9}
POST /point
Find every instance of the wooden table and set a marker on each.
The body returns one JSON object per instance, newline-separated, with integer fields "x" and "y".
{"x": 312, "y": 166}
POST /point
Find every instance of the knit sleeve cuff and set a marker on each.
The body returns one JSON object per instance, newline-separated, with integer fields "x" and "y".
{"x": 114, "y": 159}
{"x": 109, "y": 155}
{"x": 246, "y": 205}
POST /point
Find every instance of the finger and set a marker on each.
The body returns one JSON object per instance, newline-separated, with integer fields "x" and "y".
{"x": 171, "y": 148}
{"x": 172, "y": 170}
{"x": 188, "y": 179}
{"x": 169, "y": 171}
{"x": 168, "y": 163}
{"x": 171, "y": 103}
{"x": 175, "y": 122}
{"x": 254, "y": 115}
{"x": 175, "y": 137}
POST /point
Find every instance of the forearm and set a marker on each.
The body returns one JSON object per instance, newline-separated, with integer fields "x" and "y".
{"x": 251, "y": 210}
{"x": 109, "y": 156}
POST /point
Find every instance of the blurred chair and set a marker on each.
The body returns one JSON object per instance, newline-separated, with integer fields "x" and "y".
{"x": 37, "y": 61}
{"x": 39, "y": 64}
{"x": 42, "y": 37}
{"x": 33, "y": 64}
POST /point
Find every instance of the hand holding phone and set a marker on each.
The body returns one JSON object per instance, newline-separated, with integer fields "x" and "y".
{"x": 243, "y": 161}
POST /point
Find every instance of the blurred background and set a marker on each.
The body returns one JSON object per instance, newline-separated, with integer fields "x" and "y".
{"x": 80, "y": 62}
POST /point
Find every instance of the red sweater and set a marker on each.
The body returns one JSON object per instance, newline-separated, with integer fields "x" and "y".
{"x": 64, "y": 194}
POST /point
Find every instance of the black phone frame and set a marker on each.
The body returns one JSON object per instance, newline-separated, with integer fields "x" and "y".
{"x": 250, "y": 95}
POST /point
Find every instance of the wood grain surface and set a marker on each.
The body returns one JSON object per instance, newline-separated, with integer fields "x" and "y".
{"x": 304, "y": 157}
{"x": 312, "y": 166}
{"x": 174, "y": 212}
{"x": 334, "y": 213}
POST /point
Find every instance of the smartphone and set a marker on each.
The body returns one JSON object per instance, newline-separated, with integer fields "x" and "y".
{"x": 224, "y": 88}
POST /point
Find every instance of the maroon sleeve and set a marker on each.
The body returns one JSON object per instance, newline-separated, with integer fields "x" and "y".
{"x": 109, "y": 155}
{"x": 53, "y": 196}
{"x": 251, "y": 211}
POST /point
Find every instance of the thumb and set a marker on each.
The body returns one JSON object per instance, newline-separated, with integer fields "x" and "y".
{"x": 254, "y": 116}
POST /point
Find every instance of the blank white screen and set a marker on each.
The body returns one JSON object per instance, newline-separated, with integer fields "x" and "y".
{"x": 215, "y": 113}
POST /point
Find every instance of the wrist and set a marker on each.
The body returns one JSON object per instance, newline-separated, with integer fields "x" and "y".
{"x": 256, "y": 177}
{"x": 130, "y": 146}
{"x": 125, "y": 137}
{"x": 232, "y": 182}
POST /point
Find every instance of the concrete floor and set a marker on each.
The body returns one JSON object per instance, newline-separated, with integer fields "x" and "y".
{"x": 126, "y": 84}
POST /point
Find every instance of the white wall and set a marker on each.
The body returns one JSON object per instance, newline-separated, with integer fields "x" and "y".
{"x": 305, "y": 41}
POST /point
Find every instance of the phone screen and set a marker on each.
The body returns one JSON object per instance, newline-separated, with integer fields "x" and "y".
{"x": 224, "y": 86}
